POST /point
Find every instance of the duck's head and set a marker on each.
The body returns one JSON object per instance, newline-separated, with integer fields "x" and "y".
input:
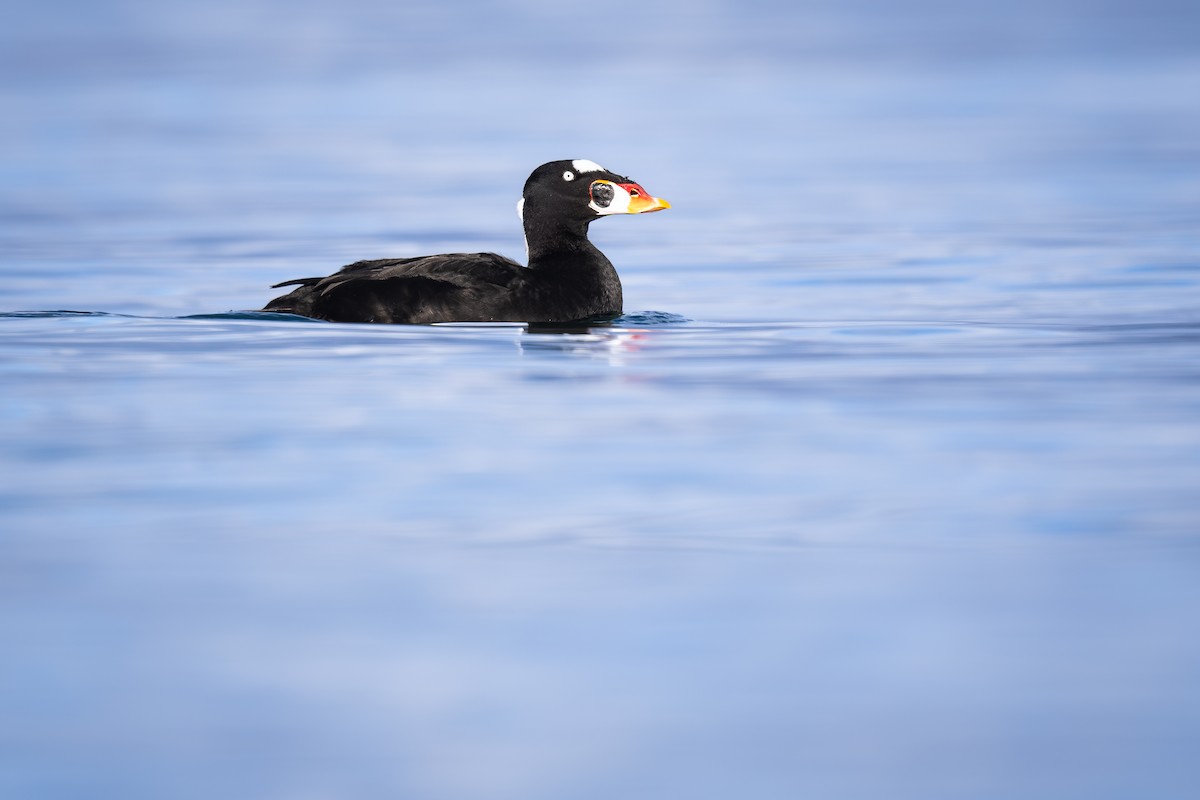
{"x": 582, "y": 190}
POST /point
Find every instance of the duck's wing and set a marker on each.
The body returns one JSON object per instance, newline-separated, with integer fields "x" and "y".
{"x": 459, "y": 269}
{"x": 450, "y": 287}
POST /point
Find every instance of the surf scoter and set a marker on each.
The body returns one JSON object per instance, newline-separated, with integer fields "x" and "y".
{"x": 568, "y": 278}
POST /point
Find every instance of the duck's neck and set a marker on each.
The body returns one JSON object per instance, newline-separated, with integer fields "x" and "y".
{"x": 562, "y": 256}
{"x": 559, "y": 242}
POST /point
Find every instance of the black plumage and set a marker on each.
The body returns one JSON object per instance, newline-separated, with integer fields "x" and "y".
{"x": 568, "y": 278}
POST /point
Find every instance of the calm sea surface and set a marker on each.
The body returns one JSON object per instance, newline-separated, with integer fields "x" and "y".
{"x": 886, "y": 486}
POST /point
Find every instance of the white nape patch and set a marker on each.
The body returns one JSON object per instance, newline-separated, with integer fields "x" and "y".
{"x": 521, "y": 214}
{"x": 583, "y": 165}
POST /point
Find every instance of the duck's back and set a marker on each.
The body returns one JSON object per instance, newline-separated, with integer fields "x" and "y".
{"x": 440, "y": 288}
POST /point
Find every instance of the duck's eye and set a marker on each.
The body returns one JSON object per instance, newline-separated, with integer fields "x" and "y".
{"x": 568, "y": 176}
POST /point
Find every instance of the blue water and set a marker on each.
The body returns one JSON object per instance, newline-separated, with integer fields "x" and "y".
{"x": 887, "y": 485}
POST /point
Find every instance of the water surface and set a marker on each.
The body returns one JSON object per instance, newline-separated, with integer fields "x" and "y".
{"x": 884, "y": 486}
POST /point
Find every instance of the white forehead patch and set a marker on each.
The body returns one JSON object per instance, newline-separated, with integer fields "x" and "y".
{"x": 583, "y": 165}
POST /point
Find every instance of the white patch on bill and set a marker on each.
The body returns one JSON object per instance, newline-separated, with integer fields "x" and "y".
{"x": 521, "y": 209}
{"x": 583, "y": 165}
